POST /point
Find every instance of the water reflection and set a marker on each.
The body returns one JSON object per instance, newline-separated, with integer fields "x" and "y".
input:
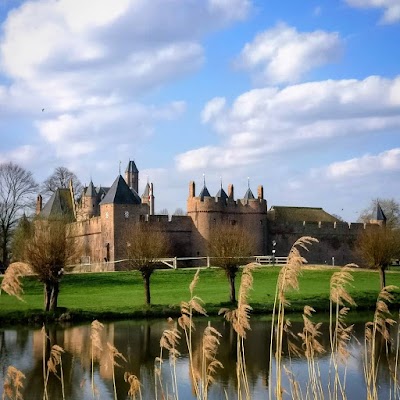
{"x": 139, "y": 341}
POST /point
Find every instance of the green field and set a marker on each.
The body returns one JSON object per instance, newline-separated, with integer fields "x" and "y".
{"x": 121, "y": 294}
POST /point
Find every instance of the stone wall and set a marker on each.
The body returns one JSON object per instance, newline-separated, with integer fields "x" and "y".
{"x": 335, "y": 240}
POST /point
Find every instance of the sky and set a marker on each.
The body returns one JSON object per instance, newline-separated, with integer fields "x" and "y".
{"x": 302, "y": 97}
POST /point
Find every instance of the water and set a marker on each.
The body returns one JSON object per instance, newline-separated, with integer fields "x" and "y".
{"x": 139, "y": 341}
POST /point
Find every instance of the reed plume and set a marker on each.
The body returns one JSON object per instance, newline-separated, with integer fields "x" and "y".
{"x": 339, "y": 333}
{"x": 288, "y": 279}
{"x": 169, "y": 341}
{"x": 312, "y": 348}
{"x": 134, "y": 386}
{"x": 13, "y": 384}
{"x": 377, "y": 335}
{"x": 114, "y": 355}
{"x": 240, "y": 320}
{"x": 52, "y": 363}
{"x": 11, "y": 283}
{"x": 185, "y": 321}
{"x": 210, "y": 363}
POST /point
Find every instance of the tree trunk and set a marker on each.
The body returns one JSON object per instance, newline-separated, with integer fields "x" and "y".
{"x": 146, "y": 281}
{"x": 51, "y": 291}
{"x": 54, "y": 296}
{"x": 232, "y": 296}
{"x": 382, "y": 276}
{"x": 5, "y": 250}
{"x": 47, "y": 296}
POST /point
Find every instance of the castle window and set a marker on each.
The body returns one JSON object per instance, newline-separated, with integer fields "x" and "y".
{"x": 126, "y": 214}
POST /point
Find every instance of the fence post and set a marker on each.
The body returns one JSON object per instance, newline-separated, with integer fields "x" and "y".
{"x": 208, "y": 262}
{"x": 175, "y": 263}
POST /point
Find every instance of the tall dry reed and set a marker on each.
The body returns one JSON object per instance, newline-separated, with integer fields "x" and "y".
{"x": 96, "y": 348}
{"x": 13, "y": 384}
{"x": 377, "y": 336}
{"x": 240, "y": 320}
{"x": 288, "y": 279}
{"x": 339, "y": 333}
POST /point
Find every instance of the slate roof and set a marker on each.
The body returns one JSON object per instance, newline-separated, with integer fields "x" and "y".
{"x": 249, "y": 195}
{"x": 222, "y": 194}
{"x": 379, "y": 214}
{"x": 295, "y": 214}
{"x": 120, "y": 193}
{"x": 204, "y": 193}
{"x": 146, "y": 192}
{"x": 90, "y": 190}
{"x": 132, "y": 167}
{"x": 59, "y": 204}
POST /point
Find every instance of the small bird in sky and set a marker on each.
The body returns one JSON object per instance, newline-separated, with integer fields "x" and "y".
{"x": 42, "y": 109}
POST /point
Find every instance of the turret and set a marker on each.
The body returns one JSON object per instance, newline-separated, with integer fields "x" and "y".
{"x": 132, "y": 176}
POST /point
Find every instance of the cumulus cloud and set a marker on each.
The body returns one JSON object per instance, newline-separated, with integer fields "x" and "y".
{"x": 271, "y": 120}
{"x": 391, "y": 8}
{"x": 386, "y": 161}
{"x": 282, "y": 54}
{"x": 88, "y": 65}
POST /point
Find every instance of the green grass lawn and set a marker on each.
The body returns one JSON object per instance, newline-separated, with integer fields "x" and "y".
{"x": 120, "y": 294}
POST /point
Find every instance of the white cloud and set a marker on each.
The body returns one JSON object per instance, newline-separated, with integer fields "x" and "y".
{"x": 271, "y": 120}
{"x": 391, "y": 8}
{"x": 88, "y": 65}
{"x": 282, "y": 54}
{"x": 20, "y": 155}
{"x": 386, "y": 161}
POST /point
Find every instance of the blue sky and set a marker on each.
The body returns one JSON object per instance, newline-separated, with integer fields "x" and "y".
{"x": 302, "y": 97}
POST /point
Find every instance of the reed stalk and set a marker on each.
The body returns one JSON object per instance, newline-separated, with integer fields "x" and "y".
{"x": 339, "y": 332}
{"x": 240, "y": 320}
{"x": 114, "y": 355}
{"x": 288, "y": 279}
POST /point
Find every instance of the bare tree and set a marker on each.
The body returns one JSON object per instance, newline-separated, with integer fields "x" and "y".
{"x": 49, "y": 250}
{"x": 17, "y": 188}
{"x": 229, "y": 245}
{"x": 143, "y": 247}
{"x": 390, "y": 207}
{"x": 60, "y": 178}
{"x": 179, "y": 211}
{"x": 21, "y": 234}
{"x": 377, "y": 246}
{"x": 163, "y": 211}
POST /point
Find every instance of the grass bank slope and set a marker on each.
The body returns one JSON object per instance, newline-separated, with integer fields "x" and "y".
{"x": 121, "y": 294}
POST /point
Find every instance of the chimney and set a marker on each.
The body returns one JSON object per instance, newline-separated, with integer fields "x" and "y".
{"x": 192, "y": 189}
{"x": 260, "y": 192}
{"x": 151, "y": 199}
{"x": 230, "y": 191}
{"x": 39, "y": 203}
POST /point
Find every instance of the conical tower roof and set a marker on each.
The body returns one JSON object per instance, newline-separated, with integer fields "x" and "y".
{"x": 249, "y": 195}
{"x": 132, "y": 167}
{"x": 120, "y": 193}
{"x": 379, "y": 214}
{"x": 222, "y": 194}
{"x": 90, "y": 190}
{"x": 204, "y": 193}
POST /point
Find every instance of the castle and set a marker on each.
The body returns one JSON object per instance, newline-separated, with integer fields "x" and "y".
{"x": 101, "y": 216}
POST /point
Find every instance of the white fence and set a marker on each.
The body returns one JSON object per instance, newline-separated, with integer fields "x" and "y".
{"x": 173, "y": 262}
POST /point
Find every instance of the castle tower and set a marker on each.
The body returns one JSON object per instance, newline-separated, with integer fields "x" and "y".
{"x": 208, "y": 211}
{"x": 379, "y": 217}
{"x": 148, "y": 197}
{"x": 132, "y": 176}
{"x": 90, "y": 204}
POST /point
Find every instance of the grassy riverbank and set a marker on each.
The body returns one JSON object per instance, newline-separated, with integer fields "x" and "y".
{"x": 121, "y": 295}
